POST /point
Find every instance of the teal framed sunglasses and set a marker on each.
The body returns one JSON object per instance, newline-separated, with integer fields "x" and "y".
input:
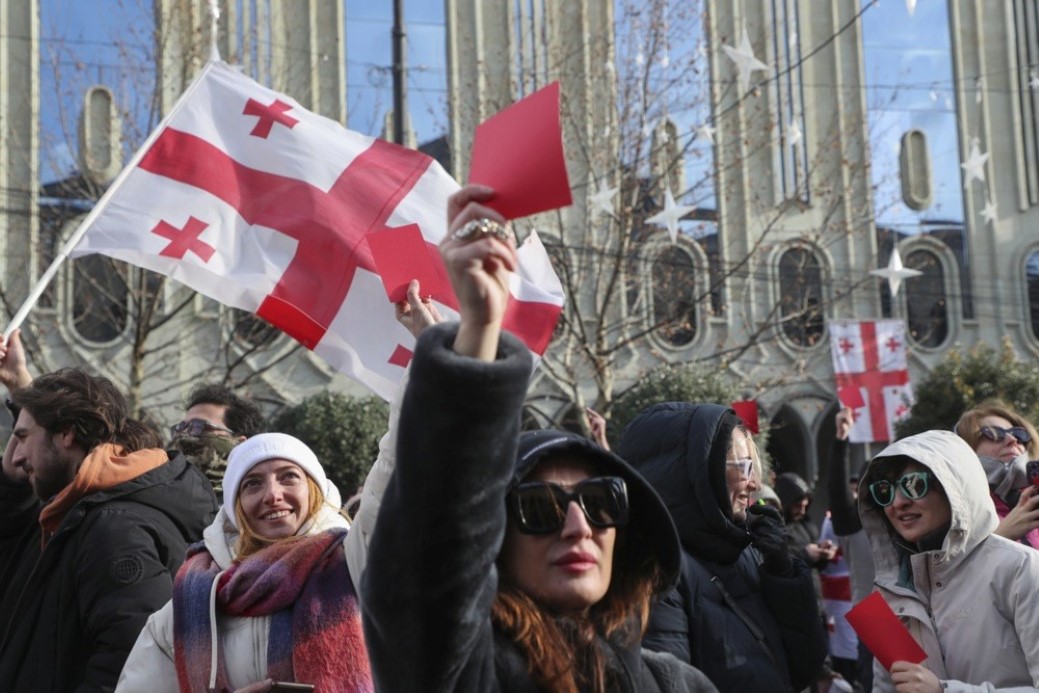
{"x": 913, "y": 486}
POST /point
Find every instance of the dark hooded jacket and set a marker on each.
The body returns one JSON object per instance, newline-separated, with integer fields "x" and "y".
{"x": 431, "y": 578}
{"x": 681, "y": 449}
{"x": 791, "y": 488}
{"x": 71, "y": 611}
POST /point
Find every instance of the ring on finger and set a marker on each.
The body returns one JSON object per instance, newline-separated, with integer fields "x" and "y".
{"x": 477, "y": 228}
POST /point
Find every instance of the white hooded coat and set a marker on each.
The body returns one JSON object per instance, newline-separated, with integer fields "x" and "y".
{"x": 973, "y": 604}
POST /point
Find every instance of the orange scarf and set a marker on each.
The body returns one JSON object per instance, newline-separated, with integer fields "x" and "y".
{"x": 106, "y": 466}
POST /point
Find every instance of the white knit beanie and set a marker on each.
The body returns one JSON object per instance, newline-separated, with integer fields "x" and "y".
{"x": 263, "y": 447}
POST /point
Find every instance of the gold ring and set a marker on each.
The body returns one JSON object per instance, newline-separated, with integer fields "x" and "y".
{"x": 483, "y": 227}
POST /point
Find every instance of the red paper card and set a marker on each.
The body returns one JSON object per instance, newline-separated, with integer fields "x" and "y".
{"x": 881, "y": 631}
{"x": 519, "y": 153}
{"x": 748, "y": 411}
{"x": 851, "y": 396}
{"x": 402, "y": 254}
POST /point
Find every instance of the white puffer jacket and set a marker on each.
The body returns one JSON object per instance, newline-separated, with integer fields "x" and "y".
{"x": 974, "y": 603}
{"x": 243, "y": 641}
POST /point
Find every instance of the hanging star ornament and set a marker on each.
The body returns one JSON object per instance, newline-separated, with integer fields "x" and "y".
{"x": 705, "y": 132}
{"x": 668, "y": 218}
{"x": 895, "y": 273}
{"x": 974, "y": 166}
{"x": 602, "y": 199}
{"x": 794, "y": 134}
{"x": 745, "y": 61}
{"x": 988, "y": 212}
{"x": 1033, "y": 80}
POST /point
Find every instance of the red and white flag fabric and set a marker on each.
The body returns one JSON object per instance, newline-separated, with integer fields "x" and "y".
{"x": 247, "y": 197}
{"x": 870, "y": 357}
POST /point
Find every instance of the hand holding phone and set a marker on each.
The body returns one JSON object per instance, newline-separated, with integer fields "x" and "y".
{"x": 1032, "y": 469}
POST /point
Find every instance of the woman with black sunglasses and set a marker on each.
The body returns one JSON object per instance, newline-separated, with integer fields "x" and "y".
{"x": 1005, "y": 441}
{"x": 966, "y": 595}
{"x": 501, "y": 561}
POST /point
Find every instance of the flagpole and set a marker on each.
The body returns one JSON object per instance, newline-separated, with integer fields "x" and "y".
{"x": 66, "y": 249}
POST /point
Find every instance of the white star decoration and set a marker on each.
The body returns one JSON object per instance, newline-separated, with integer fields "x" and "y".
{"x": 988, "y": 212}
{"x": 1033, "y": 80}
{"x": 974, "y": 166}
{"x": 602, "y": 199}
{"x": 745, "y": 61}
{"x": 670, "y": 215}
{"x": 895, "y": 272}
{"x": 705, "y": 132}
{"x": 794, "y": 134}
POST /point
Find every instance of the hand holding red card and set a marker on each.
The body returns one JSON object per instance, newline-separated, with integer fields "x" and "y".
{"x": 851, "y": 396}
{"x": 519, "y": 153}
{"x": 402, "y": 254}
{"x": 880, "y": 630}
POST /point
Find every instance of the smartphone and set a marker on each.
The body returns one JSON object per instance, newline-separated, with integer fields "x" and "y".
{"x": 1033, "y": 472}
{"x": 287, "y": 686}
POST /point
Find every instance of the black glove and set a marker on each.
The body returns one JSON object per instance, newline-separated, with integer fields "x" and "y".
{"x": 766, "y": 526}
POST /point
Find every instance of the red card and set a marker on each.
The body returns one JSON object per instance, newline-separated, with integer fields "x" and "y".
{"x": 851, "y": 396}
{"x": 881, "y": 631}
{"x": 519, "y": 153}
{"x": 402, "y": 254}
{"x": 748, "y": 411}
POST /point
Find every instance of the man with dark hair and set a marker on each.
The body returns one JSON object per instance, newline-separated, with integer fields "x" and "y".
{"x": 93, "y": 527}
{"x": 216, "y": 420}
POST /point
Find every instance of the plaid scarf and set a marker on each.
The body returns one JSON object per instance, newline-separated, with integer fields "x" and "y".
{"x": 304, "y": 585}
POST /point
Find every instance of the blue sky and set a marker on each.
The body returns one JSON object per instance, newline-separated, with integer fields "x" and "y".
{"x": 110, "y": 42}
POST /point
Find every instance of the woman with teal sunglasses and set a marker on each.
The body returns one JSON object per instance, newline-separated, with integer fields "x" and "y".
{"x": 966, "y": 595}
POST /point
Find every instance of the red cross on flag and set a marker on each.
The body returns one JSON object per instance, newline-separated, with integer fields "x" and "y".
{"x": 870, "y": 356}
{"x": 246, "y": 197}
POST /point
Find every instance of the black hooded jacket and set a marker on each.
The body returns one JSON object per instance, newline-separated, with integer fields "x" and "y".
{"x": 70, "y": 612}
{"x": 681, "y": 449}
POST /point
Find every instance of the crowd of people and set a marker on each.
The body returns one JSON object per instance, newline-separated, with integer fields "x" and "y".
{"x": 482, "y": 557}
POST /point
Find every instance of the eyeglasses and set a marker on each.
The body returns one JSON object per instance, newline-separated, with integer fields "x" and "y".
{"x": 912, "y": 485}
{"x": 196, "y": 427}
{"x": 744, "y": 464}
{"x": 540, "y": 507}
{"x": 998, "y": 433}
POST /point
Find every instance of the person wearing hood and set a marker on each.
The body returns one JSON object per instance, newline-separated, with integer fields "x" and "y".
{"x": 1004, "y": 442}
{"x": 94, "y": 521}
{"x": 967, "y": 595}
{"x": 744, "y": 610}
{"x": 267, "y": 595}
{"x": 802, "y": 535}
{"x": 503, "y": 561}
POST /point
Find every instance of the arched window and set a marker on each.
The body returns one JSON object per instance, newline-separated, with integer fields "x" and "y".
{"x": 100, "y": 296}
{"x": 251, "y": 332}
{"x": 801, "y": 296}
{"x": 1032, "y": 276}
{"x": 674, "y": 296}
{"x": 927, "y": 311}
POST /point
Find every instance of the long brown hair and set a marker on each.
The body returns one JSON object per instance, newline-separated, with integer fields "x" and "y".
{"x": 249, "y": 542}
{"x": 563, "y": 654}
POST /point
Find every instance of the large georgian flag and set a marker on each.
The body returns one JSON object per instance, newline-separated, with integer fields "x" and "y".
{"x": 871, "y": 357}
{"x": 246, "y": 197}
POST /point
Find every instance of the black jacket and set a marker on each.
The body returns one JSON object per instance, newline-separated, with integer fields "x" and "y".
{"x": 431, "y": 578}
{"x": 681, "y": 449}
{"x": 71, "y": 612}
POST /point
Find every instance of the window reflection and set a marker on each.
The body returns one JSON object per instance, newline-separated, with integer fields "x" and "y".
{"x": 1032, "y": 277}
{"x": 801, "y": 296}
{"x": 927, "y": 310}
{"x": 674, "y": 296}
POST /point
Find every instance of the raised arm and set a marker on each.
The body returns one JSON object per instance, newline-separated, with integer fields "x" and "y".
{"x": 430, "y": 579}
{"x": 843, "y": 509}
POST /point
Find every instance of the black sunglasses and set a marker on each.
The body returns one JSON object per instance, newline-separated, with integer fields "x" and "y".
{"x": 196, "y": 427}
{"x": 998, "y": 433}
{"x": 540, "y": 507}
{"x": 913, "y": 486}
